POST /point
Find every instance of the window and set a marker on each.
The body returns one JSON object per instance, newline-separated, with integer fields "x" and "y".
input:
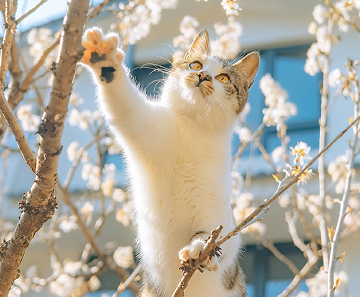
{"x": 286, "y": 66}
{"x": 265, "y": 275}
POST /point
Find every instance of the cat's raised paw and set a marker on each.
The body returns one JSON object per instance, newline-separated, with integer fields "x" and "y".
{"x": 100, "y": 50}
{"x": 193, "y": 250}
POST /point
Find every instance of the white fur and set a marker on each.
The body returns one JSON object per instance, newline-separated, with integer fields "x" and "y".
{"x": 179, "y": 162}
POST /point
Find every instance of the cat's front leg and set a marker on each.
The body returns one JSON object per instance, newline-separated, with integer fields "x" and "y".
{"x": 193, "y": 251}
{"x": 142, "y": 125}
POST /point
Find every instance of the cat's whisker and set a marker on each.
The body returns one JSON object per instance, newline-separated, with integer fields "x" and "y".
{"x": 226, "y": 110}
{"x": 165, "y": 59}
{"x": 154, "y": 67}
{"x": 207, "y": 109}
{"x": 156, "y": 81}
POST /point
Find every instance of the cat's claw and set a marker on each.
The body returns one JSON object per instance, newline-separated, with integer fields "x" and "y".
{"x": 100, "y": 50}
{"x": 193, "y": 250}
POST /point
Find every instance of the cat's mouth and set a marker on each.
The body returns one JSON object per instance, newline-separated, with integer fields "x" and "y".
{"x": 205, "y": 83}
{"x": 206, "y": 88}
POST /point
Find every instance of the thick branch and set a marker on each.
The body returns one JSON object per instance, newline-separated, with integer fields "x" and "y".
{"x": 39, "y": 203}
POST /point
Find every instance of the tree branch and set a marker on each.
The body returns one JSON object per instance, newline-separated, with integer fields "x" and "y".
{"x": 209, "y": 247}
{"x": 304, "y": 272}
{"x": 21, "y": 140}
{"x": 39, "y": 204}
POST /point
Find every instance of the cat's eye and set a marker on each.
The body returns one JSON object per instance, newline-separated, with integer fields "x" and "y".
{"x": 196, "y": 66}
{"x": 223, "y": 78}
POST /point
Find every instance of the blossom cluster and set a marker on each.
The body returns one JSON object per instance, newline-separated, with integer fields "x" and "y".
{"x": 318, "y": 284}
{"x": 29, "y": 120}
{"x": 40, "y": 40}
{"x": 346, "y": 82}
{"x": 231, "y": 7}
{"x": 137, "y": 19}
{"x": 340, "y": 14}
{"x": 227, "y": 45}
{"x": 279, "y": 109}
{"x": 188, "y": 30}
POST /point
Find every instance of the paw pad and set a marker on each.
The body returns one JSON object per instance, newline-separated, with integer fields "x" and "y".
{"x": 101, "y": 50}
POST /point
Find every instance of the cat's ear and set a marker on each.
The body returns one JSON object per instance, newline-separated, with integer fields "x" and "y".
{"x": 247, "y": 67}
{"x": 201, "y": 44}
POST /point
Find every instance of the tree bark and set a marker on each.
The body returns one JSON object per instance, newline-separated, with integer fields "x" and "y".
{"x": 39, "y": 204}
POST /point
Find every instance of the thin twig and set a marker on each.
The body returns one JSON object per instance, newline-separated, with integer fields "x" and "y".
{"x": 295, "y": 237}
{"x": 21, "y": 140}
{"x": 30, "y": 11}
{"x": 281, "y": 257}
{"x": 304, "y": 272}
{"x": 243, "y": 147}
{"x": 345, "y": 199}
{"x": 121, "y": 288}
{"x": 81, "y": 224}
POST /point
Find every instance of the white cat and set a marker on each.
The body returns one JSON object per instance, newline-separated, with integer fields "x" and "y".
{"x": 178, "y": 153}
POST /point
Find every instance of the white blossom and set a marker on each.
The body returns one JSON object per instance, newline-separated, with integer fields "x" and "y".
{"x": 94, "y": 283}
{"x": 125, "y": 214}
{"x": 301, "y": 152}
{"x": 338, "y": 170}
{"x": 124, "y": 256}
{"x": 244, "y": 134}
{"x": 112, "y": 146}
{"x": 87, "y": 208}
{"x": 231, "y": 7}
{"x": 65, "y": 284}
{"x": 118, "y": 195}
{"x": 227, "y": 45}
{"x": 311, "y": 64}
{"x": 188, "y": 32}
{"x": 15, "y": 292}
{"x": 83, "y": 119}
{"x": 75, "y": 100}
{"x": 318, "y": 284}
{"x": 40, "y": 40}
{"x": 335, "y": 77}
{"x": 68, "y": 223}
{"x": 136, "y": 22}
{"x": 72, "y": 150}
{"x": 91, "y": 174}
{"x": 320, "y": 13}
{"x": 109, "y": 170}
{"x": 278, "y": 153}
{"x": 312, "y": 28}
{"x": 107, "y": 186}
{"x": 29, "y": 121}
{"x": 279, "y": 109}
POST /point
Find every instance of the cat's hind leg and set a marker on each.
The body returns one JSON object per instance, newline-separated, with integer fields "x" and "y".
{"x": 193, "y": 250}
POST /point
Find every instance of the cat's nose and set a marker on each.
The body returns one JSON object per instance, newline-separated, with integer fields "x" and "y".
{"x": 204, "y": 75}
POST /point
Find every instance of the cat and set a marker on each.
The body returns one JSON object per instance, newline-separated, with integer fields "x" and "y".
{"x": 179, "y": 155}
